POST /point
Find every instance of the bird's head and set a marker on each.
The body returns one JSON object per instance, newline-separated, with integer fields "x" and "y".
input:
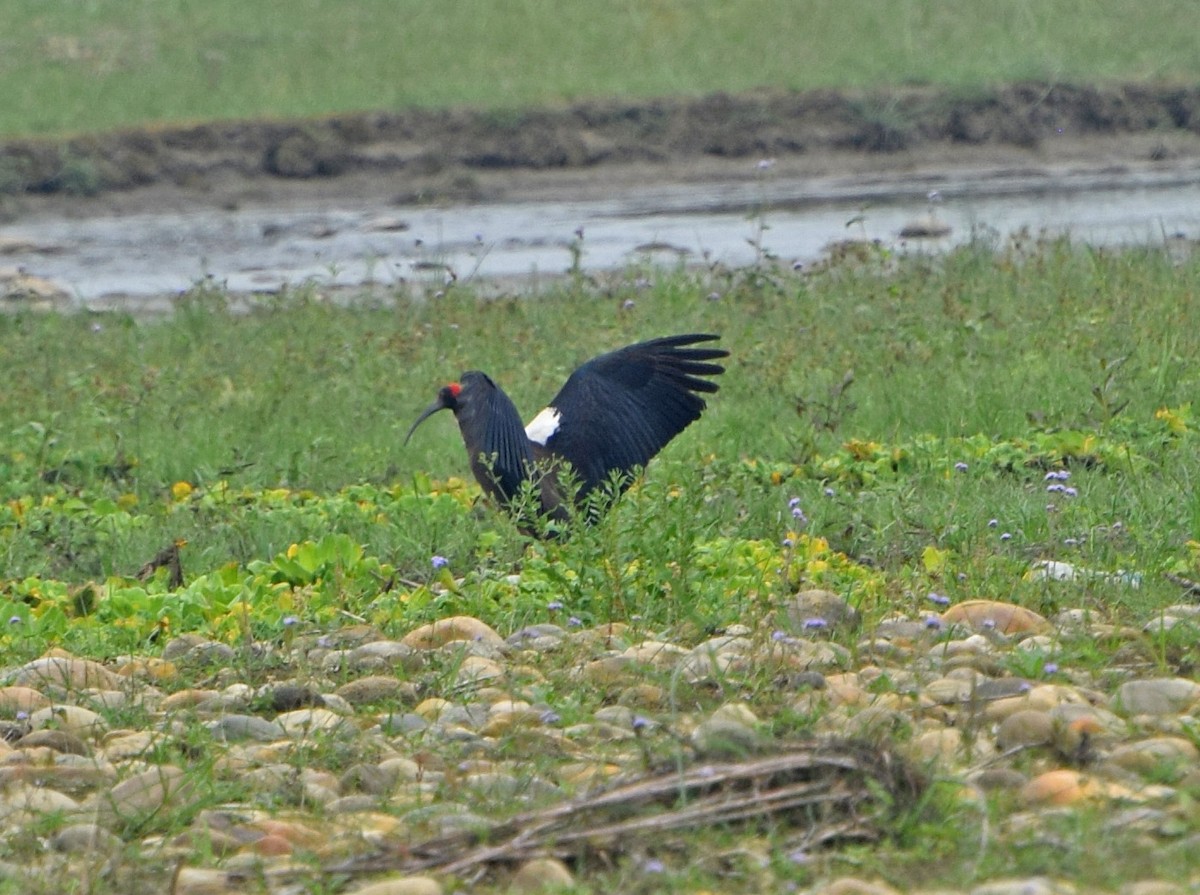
{"x": 467, "y": 398}
{"x": 447, "y": 399}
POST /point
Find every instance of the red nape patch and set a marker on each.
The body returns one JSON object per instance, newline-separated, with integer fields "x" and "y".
{"x": 455, "y": 388}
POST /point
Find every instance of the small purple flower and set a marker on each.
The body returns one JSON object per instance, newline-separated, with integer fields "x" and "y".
{"x": 793, "y": 503}
{"x": 1071, "y": 542}
{"x": 766, "y": 164}
{"x": 799, "y": 516}
{"x": 993, "y": 523}
{"x": 1070, "y": 492}
{"x": 799, "y": 856}
{"x": 653, "y": 865}
{"x": 829, "y": 492}
{"x": 290, "y": 621}
{"x": 1057, "y": 475}
{"x": 325, "y": 642}
{"x": 439, "y": 562}
{"x": 1050, "y": 668}
{"x": 628, "y": 304}
{"x": 640, "y": 722}
{"x": 554, "y": 605}
{"x": 788, "y": 542}
{"x": 574, "y": 622}
{"x": 779, "y": 635}
{"x": 1056, "y": 488}
{"x": 938, "y": 599}
{"x": 1006, "y": 536}
{"x": 988, "y": 623}
{"x": 550, "y": 717}
{"x": 932, "y": 622}
{"x": 22, "y": 715}
{"x": 960, "y": 466}
{"x": 815, "y": 624}
{"x": 14, "y": 619}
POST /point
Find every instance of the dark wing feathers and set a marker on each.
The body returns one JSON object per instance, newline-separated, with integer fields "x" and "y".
{"x": 620, "y": 409}
{"x": 506, "y": 452}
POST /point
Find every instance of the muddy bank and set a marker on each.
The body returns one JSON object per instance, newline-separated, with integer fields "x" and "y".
{"x": 437, "y": 154}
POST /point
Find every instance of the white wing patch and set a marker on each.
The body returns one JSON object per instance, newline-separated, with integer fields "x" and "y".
{"x": 543, "y": 426}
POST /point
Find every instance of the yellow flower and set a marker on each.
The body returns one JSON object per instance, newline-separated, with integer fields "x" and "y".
{"x": 1176, "y": 419}
{"x": 292, "y": 550}
{"x": 127, "y": 501}
{"x": 181, "y": 490}
{"x": 862, "y": 450}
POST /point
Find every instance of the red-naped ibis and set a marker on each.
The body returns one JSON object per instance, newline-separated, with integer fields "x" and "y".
{"x": 614, "y": 413}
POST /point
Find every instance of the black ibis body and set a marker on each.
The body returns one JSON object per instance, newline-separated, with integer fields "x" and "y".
{"x": 613, "y": 414}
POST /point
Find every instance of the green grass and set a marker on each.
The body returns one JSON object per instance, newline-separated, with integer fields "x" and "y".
{"x": 857, "y": 390}
{"x": 71, "y": 68}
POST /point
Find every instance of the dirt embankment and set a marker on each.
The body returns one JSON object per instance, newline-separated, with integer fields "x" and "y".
{"x": 433, "y": 152}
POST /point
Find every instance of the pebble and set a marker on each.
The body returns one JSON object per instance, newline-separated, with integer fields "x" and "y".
{"x": 376, "y": 688}
{"x": 540, "y": 875}
{"x": 136, "y": 799}
{"x": 452, "y": 630}
{"x": 994, "y": 616}
{"x": 366, "y": 740}
{"x": 1162, "y": 696}
{"x": 401, "y": 885}
{"x": 66, "y": 672}
{"x": 820, "y": 612}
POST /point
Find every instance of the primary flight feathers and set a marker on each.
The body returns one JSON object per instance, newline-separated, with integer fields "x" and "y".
{"x": 613, "y": 414}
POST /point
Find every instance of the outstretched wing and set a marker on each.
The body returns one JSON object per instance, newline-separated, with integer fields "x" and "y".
{"x": 620, "y": 409}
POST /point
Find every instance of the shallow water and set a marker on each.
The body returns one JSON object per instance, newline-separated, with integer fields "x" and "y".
{"x": 141, "y": 261}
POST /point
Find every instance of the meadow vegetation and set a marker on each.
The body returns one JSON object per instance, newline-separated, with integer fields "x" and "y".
{"x": 912, "y": 405}
{"x": 73, "y": 68}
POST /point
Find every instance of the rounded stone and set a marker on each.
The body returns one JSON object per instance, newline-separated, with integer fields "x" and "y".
{"x": 541, "y": 874}
{"x": 58, "y": 740}
{"x": 85, "y": 838}
{"x": 306, "y": 722}
{"x": 723, "y": 738}
{"x": 66, "y": 672}
{"x": 833, "y": 612}
{"x": 1028, "y": 727}
{"x": 376, "y": 688}
{"x": 450, "y": 630}
{"x": 142, "y": 795}
{"x": 21, "y": 699}
{"x": 401, "y": 885}
{"x": 1059, "y": 787}
{"x": 237, "y": 728}
{"x": 992, "y": 615}
{"x": 1157, "y": 756}
{"x": 1161, "y": 696}
{"x": 72, "y": 719}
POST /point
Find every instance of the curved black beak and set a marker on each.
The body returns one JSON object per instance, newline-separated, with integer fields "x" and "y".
{"x": 429, "y": 411}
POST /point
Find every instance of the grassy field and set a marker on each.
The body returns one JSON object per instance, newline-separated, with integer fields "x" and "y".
{"x": 870, "y": 384}
{"x": 71, "y": 68}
